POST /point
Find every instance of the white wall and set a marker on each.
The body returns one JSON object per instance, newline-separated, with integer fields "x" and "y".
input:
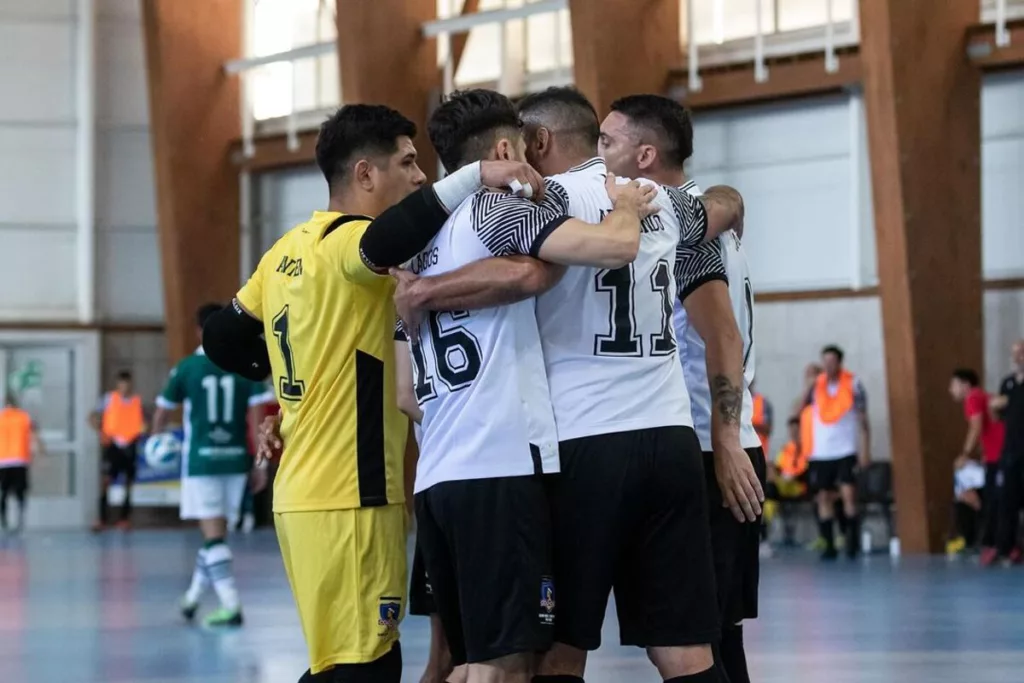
{"x": 128, "y": 276}
{"x": 38, "y": 123}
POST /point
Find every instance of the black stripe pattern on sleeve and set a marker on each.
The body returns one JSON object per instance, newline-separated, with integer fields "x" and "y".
{"x": 699, "y": 265}
{"x": 508, "y": 224}
{"x": 400, "y": 335}
{"x": 691, "y": 214}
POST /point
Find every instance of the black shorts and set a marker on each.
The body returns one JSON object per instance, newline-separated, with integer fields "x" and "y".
{"x": 117, "y": 460}
{"x": 736, "y": 547}
{"x": 14, "y": 480}
{"x": 828, "y": 475}
{"x": 630, "y": 513}
{"x": 486, "y": 546}
{"x": 421, "y": 595}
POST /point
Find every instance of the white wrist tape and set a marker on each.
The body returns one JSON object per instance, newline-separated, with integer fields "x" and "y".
{"x": 459, "y": 186}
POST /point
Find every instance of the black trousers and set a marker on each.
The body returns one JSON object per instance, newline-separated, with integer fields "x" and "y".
{"x": 990, "y": 505}
{"x": 1011, "y": 499}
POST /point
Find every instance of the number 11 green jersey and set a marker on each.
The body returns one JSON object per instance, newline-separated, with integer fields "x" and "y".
{"x": 215, "y": 407}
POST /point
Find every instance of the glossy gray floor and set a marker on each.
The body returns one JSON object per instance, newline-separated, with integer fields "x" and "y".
{"x": 79, "y": 609}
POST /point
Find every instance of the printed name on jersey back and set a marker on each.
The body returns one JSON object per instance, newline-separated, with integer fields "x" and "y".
{"x": 652, "y": 223}
{"x": 423, "y": 260}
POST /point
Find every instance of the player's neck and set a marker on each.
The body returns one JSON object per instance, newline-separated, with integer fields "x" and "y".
{"x": 665, "y": 176}
{"x": 353, "y": 203}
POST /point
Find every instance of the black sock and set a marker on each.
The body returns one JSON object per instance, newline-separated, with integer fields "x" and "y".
{"x": 103, "y": 506}
{"x": 825, "y": 531}
{"x": 711, "y": 675}
{"x": 734, "y": 659}
{"x": 966, "y": 518}
{"x": 852, "y": 536}
{"x": 557, "y": 679}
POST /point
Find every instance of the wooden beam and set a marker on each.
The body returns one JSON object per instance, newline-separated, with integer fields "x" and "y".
{"x": 194, "y": 117}
{"x": 622, "y": 47}
{"x": 797, "y": 76}
{"x": 385, "y": 59}
{"x": 926, "y": 182}
{"x": 986, "y": 54}
{"x": 271, "y": 152}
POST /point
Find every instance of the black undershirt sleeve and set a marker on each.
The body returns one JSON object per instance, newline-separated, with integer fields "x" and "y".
{"x": 233, "y": 341}
{"x": 403, "y": 230}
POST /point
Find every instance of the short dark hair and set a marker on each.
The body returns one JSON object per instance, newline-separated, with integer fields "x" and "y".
{"x": 371, "y": 129}
{"x": 564, "y": 110}
{"x": 204, "y": 312}
{"x": 832, "y": 348}
{"x": 793, "y": 421}
{"x": 124, "y": 375}
{"x": 967, "y": 375}
{"x": 468, "y": 123}
{"x": 667, "y": 121}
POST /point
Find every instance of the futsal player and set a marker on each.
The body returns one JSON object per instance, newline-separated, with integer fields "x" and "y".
{"x": 652, "y": 136}
{"x": 218, "y": 409}
{"x": 629, "y": 509}
{"x": 488, "y": 429}
{"x": 321, "y": 300}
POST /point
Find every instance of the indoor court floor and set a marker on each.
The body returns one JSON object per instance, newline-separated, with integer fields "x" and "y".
{"x": 81, "y": 609}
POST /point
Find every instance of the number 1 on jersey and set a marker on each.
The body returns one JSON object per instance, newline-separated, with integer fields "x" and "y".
{"x": 290, "y": 388}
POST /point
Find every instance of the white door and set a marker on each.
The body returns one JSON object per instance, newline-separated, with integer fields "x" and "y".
{"x": 55, "y": 377}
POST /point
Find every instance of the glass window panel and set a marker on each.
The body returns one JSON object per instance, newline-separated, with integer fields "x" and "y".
{"x": 282, "y": 25}
{"x": 719, "y": 21}
{"x": 797, "y": 14}
{"x": 542, "y": 31}
{"x": 42, "y": 379}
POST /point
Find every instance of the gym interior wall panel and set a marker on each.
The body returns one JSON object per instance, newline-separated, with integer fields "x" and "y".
{"x": 121, "y": 98}
{"x": 791, "y": 334}
{"x": 37, "y": 72}
{"x": 37, "y": 176}
{"x": 794, "y": 166}
{"x": 1004, "y": 324}
{"x": 37, "y": 281}
{"x": 1002, "y": 163}
{"x": 38, "y": 10}
{"x": 128, "y": 275}
{"x": 125, "y": 193}
{"x": 286, "y": 198}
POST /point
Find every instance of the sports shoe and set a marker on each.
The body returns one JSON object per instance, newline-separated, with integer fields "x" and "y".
{"x": 1016, "y": 556}
{"x": 248, "y": 523}
{"x": 124, "y": 525}
{"x": 765, "y": 551}
{"x": 98, "y": 527}
{"x": 955, "y": 546}
{"x": 988, "y": 557}
{"x": 188, "y": 609}
{"x": 223, "y": 618}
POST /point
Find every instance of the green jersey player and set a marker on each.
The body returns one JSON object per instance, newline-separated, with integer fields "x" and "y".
{"x": 218, "y": 411}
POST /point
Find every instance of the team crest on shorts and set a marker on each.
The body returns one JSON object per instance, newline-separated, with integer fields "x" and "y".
{"x": 389, "y": 610}
{"x": 547, "y": 600}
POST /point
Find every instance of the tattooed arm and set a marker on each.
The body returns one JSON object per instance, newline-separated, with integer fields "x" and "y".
{"x": 709, "y": 310}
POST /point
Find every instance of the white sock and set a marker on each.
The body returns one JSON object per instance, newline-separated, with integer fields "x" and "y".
{"x": 200, "y": 579}
{"x": 218, "y": 568}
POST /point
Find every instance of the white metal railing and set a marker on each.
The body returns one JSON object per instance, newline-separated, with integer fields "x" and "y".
{"x": 999, "y": 13}
{"x": 763, "y": 45}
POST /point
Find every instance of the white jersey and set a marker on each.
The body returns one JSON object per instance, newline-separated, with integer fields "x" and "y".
{"x": 479, "y": 375}
{"x": 609, "y": 346}
{"x": 693, "y": 353}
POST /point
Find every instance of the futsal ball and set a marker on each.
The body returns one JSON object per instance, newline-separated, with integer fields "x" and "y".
{"x": 162, "y": 451}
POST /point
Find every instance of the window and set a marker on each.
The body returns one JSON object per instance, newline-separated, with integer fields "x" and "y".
{"x": 306, "y": 84}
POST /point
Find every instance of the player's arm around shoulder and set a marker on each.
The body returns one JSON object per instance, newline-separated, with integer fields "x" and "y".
{"x": 612, "y": 243}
